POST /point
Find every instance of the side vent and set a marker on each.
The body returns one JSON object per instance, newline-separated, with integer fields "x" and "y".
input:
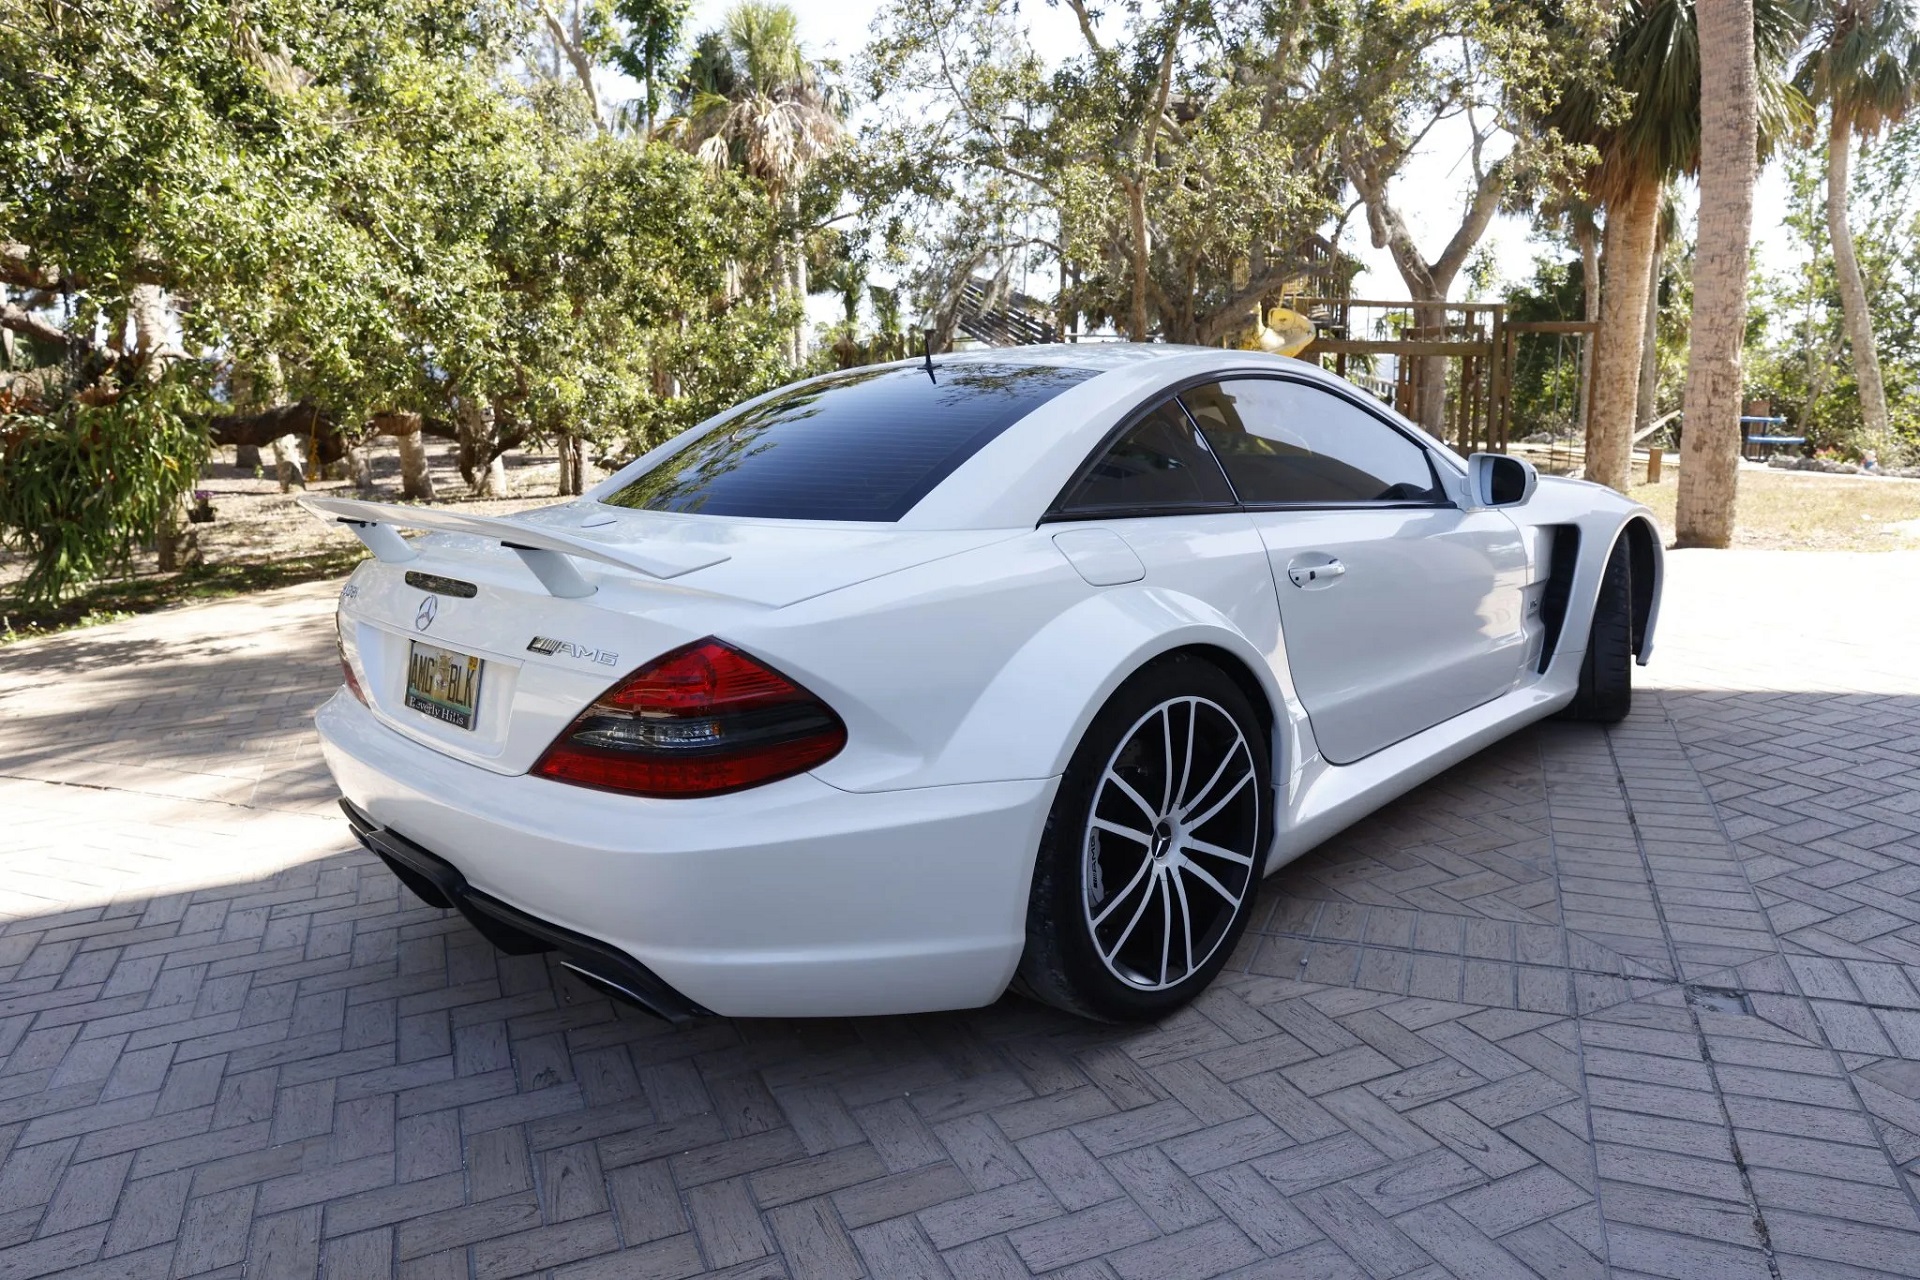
{"x": 1562, "y": 558}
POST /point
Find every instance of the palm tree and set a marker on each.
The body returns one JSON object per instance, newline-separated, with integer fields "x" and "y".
{"x": 1664, "y": 232}
{"x": 1729, "y": 157}
{"x": 1655, "y": 57}
{"x": 755, "y": 102}
{"x": 1865, "y": 66}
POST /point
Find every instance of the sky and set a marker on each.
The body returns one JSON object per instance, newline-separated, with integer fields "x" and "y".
{"x": 839, "y": 28}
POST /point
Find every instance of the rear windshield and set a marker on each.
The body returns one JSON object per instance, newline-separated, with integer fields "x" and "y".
{"x": 863, "y": 445}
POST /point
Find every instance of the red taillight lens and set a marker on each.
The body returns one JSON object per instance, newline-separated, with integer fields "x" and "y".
{"x": 702, "y": 720}
{"x": 346, "y": 665}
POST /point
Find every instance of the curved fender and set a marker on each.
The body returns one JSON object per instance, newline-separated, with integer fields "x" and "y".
{"x": 1659, "y": 584}
{"x": 1602, "y": 516}
{"x": 1032, "y": 716}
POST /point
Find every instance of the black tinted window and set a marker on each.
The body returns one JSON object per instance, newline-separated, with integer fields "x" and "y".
{"x": 1158, "y": 463}
{"x": 1290, "y": 442}
{"x": 864, "y": 445}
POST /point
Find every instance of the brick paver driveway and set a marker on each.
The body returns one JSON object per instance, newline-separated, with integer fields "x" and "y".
{"x": 1640, "y": 1002}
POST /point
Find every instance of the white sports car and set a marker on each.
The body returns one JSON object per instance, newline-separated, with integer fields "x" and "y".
{"x": 892, "y": 688}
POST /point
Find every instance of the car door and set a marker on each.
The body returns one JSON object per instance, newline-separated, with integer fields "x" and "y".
{"x": 1399, "y": 609}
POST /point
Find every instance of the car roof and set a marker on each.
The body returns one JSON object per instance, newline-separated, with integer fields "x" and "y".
{"x": 1014, "y": 478}
{"x": 1080, "y": 355}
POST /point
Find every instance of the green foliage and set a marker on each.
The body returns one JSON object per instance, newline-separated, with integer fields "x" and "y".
{"x": 368, "y": 206}
{"x": 1643, "y": 121}
{"x": 653, "y": 31}
{"x": 1546, "y": 367}
{"x": 81, "y": 486}
{"x": 1797, "y": 344}
{"x": 986, "y": 161}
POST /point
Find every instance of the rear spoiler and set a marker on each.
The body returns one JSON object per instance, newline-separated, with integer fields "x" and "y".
{"x": 549, "y": 553}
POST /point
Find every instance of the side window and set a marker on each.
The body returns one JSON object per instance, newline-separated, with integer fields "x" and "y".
{"x": 1160, "y": 462}
{"x": 1288, "y": 442}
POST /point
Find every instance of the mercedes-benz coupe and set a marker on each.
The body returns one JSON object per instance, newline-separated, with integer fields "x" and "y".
{"x": 896, "y": 687}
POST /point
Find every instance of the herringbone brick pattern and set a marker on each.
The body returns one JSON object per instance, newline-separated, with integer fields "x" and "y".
{"x": 1642, "y": 1002}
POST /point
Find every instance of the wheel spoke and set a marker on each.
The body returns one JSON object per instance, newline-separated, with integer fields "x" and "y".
{"x": 1201, "y": 874}
{"x": 1127, "y": 790}
{"x": 1186, "y": 918}
{"x": 1221, "y": 768}
{"x": 1186, "y": 766}
{"x": 1221, "y": 803}
{"x": 1166, "y": 779}
{"x": 1166, "y": 930}
{"x": 1144, "y": 837}
{"x": 1146, "y": 865}
{"x": 1139, "y": 911}
{"x": 1214, "y": 850}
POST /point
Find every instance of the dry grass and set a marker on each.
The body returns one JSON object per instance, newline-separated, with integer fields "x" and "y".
{"x": 1808, "y": 511}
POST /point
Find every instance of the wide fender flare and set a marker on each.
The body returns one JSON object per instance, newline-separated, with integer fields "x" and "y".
{"x": 1031, "y": 717}
{"x": 1602, "y": 527}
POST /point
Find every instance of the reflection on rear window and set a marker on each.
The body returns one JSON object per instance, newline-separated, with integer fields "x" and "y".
{"x": 864, "y": 445}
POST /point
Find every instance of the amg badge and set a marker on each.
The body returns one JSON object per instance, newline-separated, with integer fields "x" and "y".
{"x": 550, "y": 647}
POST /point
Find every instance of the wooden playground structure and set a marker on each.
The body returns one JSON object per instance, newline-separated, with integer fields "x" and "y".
{"x": 1468, "y": 346}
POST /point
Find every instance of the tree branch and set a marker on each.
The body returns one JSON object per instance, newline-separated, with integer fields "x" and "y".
{"x": 1086, "y": 25}
{"x": 1234, "y": 310}
{"x": 17, "y": 318}
{"x": 17, "y": 269}
{"x": 1486, "y": 202}
{"x": 582, "y": 65}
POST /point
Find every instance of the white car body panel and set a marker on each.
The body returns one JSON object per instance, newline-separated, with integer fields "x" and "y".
{"x": 1367, "y": 678}
{"x": 966, "y": 647}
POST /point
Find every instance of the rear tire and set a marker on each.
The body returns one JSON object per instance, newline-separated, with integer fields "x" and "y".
{"x": 1606, "y": 674}
{"x": 1151, "y": 858}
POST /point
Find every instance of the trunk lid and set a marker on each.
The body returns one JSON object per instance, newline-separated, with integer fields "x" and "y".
{"x": 484, "y": 588}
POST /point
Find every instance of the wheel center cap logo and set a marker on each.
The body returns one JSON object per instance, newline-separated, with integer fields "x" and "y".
{"x": 429, "y": 609}
{"x": 1162, "y": 839}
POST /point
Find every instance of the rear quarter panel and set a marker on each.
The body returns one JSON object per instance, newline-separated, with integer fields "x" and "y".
{"x": 988, "y": 666}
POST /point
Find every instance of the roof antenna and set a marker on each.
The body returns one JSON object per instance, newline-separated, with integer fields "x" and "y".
{"x": 926, "y": 350}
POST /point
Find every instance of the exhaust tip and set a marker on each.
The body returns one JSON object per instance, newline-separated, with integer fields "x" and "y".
{"x": 607, "y": 986}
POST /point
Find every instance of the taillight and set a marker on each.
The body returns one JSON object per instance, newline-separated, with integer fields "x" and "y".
{"x": 346, "y": 663}
{"x": 699, "y": 721}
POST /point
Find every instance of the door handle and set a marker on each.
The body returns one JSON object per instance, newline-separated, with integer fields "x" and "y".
{"x": 1315, "y": 575}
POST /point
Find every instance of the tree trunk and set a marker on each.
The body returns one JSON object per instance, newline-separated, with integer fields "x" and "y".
{"x": 485, "y": 477}
{"x": 1137, "y": 225}
{"x": 154, "y": 344}
{"x": 1650, "y": 339}
{"x": 1588, "y": 238}
{"x": 1729, "y": 143}
{"x": 246, "y": 457}
{"x": 289, "y": 465}
{"x": 1853, "y": 292}
{"x": 1430, "y": 372}
{"x": 177, "y": 545}
{"x": 572, "y": 466}
{"x": 800, "y": 299}
{"x": 416, "y": 479}
{"x": 1616, "y": 354}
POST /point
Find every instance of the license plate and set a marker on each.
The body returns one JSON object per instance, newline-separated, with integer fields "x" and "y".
{"x": 443, "y": 684}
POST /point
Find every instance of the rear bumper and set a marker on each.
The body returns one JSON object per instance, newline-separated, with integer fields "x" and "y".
{"x": 791, "y": 900}
{"x": 438, "y": 883}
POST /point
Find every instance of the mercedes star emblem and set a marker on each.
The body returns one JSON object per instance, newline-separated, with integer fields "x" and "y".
{"x": 429, "y": 608}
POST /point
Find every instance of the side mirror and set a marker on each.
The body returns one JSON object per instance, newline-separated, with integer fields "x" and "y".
{"x": 1497, "y": 480}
